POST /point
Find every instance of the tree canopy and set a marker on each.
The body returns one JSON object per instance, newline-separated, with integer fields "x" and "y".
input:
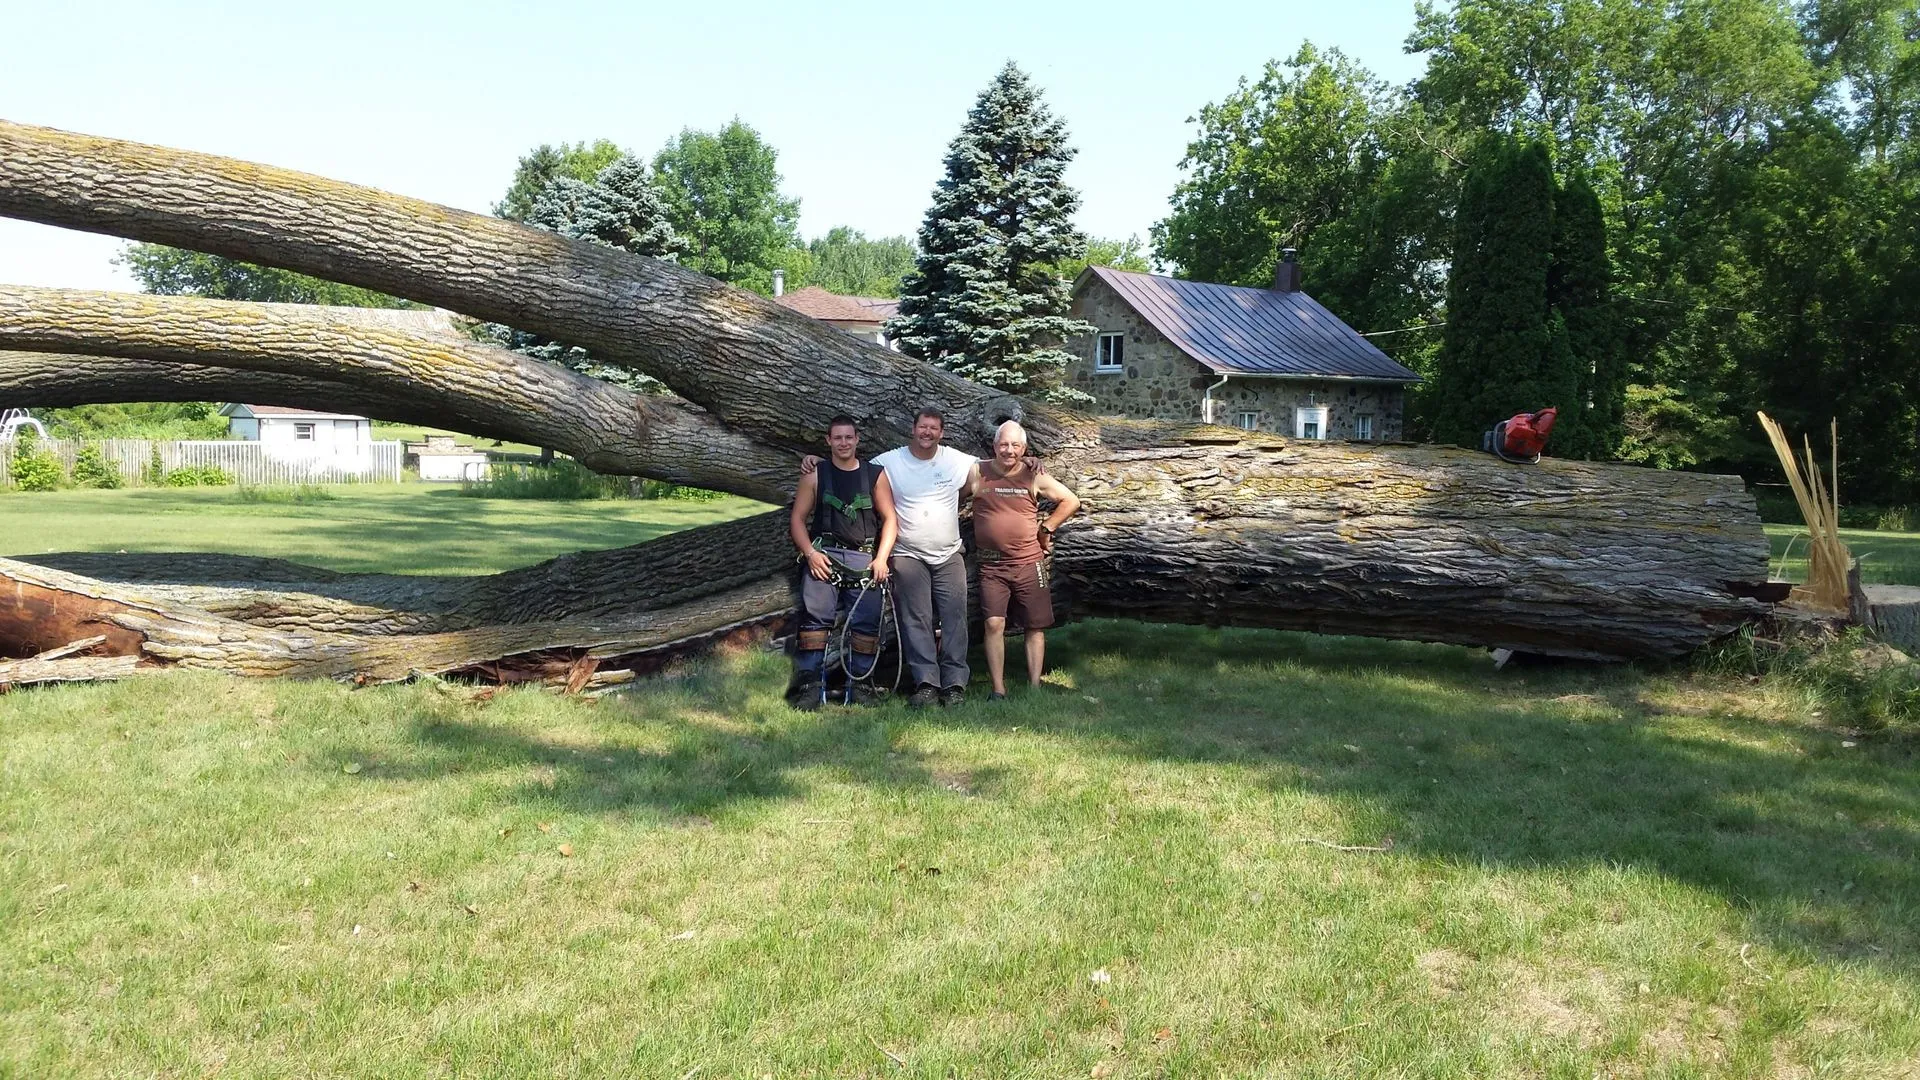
{"x": 543, "y": 165}
{"x": 1752, "y": 168}
{"x": 722, "y": 194}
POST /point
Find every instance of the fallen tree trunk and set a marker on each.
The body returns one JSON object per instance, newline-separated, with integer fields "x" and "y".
{"x": 1182, "y": 524}
{"x": 593, "y": 586}
{"x": 471, "y": 386}
{"x": 37, "y": 600}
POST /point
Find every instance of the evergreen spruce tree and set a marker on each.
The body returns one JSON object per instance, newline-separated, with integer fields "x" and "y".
{"x": 620, "y": 208}
{"x": 1498, "y": 357}
{"x": 1578, "y": 288}
{"x": 984, "y": 299}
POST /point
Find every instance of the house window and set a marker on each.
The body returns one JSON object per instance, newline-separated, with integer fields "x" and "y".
{"x": 1310, "y": 422}
{"x": 1246, "y": 419}
{"x": 1108, "y": 352}
{"x": 303, "y": 431}
{"x": 1363, "y": 428}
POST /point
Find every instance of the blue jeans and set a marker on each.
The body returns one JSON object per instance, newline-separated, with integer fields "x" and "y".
{"x": 821, "y": 603}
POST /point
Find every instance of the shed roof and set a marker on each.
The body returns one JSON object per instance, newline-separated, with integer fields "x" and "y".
{"x": 816, "y": 302}
{"x": 1236, "y": 330}
{"x": 255, "y": 411}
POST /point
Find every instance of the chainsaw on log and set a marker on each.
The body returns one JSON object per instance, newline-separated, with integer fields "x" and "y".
{"x": 1521, "y": 437}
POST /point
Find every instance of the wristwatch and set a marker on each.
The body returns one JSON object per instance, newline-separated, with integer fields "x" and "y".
{"x": 1046, "y": 528}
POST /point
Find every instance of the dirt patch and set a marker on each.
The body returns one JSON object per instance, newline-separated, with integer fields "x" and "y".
{"x": 959, "y": 781}
{"x": 1445, "y": 969}
{"x": 1571, "y": 1008}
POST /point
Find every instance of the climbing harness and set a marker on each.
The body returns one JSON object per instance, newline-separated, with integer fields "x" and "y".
{"x": 862, "y": 582}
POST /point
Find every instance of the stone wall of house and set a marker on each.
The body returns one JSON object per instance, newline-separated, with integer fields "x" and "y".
{"x": 1158, "y": 381}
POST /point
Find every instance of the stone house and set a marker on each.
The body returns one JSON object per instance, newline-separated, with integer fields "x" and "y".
{"x": 1261, "y": 359}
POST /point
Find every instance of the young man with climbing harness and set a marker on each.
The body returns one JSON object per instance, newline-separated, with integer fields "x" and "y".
{"x": 843, "y": 524}
{"x": 1012, "y": 544}
{"x": 926, "y": 481}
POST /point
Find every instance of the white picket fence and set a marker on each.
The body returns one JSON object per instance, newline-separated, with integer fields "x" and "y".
{"x": 245, "y": 462}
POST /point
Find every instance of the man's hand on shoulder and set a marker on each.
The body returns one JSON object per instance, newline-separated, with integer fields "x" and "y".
{"x": 808, "y": 463}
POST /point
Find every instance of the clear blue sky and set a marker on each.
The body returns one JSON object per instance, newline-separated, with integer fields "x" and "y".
{"x": 438, "y": 100}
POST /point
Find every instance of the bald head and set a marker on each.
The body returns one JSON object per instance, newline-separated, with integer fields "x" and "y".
{"x": 1010, "y": 429}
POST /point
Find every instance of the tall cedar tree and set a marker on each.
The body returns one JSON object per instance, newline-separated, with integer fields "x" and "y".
{"x": 985, "y": 299}
{"x": 1498, "y": 357}
{"x": 1579, "y": 290}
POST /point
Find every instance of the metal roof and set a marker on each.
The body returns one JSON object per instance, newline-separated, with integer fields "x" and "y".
{"x": 1236, "y": 330}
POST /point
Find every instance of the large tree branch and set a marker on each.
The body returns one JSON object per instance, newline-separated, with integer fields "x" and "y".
{"x": 477, "y": 387}
{"x": 767, "y": 371}
{"x": 1199, "y": 525}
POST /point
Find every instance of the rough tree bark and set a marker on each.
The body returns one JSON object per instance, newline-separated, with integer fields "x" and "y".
{"x": 1182, "y": 523}
{"x": 472, "y": 387}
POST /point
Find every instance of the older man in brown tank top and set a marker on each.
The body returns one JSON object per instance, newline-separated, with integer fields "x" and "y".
{"x": 1012, "y": 544}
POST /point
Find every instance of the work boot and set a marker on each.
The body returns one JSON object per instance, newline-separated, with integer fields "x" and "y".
{"x": 807, "y": 695}
{"x": 953, "y": 695}
{"x": 867, "y": 693}
{"x": 924, "y": 696}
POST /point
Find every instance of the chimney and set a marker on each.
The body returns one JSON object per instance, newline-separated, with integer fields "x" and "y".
{"x": 1286, "y": 275}
{"x": 779, "y": 282}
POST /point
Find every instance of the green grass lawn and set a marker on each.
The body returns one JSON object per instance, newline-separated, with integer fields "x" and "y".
{"x": 396, "y": 528}
{"x": 1610, "y": 871}
{"x": 1886, "y": 558}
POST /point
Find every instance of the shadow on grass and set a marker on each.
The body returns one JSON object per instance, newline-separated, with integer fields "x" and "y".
{"x": 1456, "y": 762}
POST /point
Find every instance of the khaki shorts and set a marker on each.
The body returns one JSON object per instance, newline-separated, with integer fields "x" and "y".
{"x": 1018, "y": 590}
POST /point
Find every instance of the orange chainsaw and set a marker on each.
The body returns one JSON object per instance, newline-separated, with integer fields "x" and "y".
{"x": 1521, "y": 437}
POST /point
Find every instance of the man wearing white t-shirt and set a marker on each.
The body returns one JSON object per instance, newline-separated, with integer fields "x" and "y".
{"x": 929, "y": 573}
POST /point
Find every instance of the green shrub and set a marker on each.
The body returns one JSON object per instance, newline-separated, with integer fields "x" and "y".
{"x": 91, "y": 469}
{"x": 198, "y": 476}
{"x": 33, "y": 469}
{"x": 562, "y": 480}
{"x": 301, "y": 495}
{"x": 155, "y": 474}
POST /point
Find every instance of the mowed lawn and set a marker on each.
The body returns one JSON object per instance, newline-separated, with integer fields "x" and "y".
{"x": 1134, "y": 872}
{"x": 1886, "y": 558}
{"x": 395, "y": 528}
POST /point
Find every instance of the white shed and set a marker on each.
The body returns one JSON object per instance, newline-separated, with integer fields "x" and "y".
{"x": 299, "y": 431}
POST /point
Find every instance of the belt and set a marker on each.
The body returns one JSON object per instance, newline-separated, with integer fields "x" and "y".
{"x": 865, "y": 547}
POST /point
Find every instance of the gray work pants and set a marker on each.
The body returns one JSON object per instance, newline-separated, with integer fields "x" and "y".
{"x": 925, "y": 596}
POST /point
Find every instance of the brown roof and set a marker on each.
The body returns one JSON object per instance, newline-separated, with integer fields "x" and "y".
{"x": 1241, "y": 331}
{"x": 280, "y": 410}
{"x": 816, "y": 302}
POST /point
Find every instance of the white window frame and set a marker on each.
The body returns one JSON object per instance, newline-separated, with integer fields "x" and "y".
{"x": 1310, "y": 414}
{"x": 1363, "y": 427}
{"x": 1103, "y": 361}
{"x": 1247, "y": 419}
{"x": 303, "y": 432}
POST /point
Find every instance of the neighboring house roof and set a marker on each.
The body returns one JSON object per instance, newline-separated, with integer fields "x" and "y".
{"x": 817, "y": 303}
{"x": 263, "y": 411}
{"x": 1235, "y": 330}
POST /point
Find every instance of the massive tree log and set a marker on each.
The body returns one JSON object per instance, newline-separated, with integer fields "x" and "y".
{"x": 764, "y": 369}
{"x": 1182, "y": 523}
{"x": 38, "y": 604}
{"x": 468, "y": 385}
{"x": 591, "y": 586}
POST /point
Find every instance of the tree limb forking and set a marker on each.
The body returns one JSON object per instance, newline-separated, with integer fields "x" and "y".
{"x": 421, "y": 371}
{"x": 765, "y": 370}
